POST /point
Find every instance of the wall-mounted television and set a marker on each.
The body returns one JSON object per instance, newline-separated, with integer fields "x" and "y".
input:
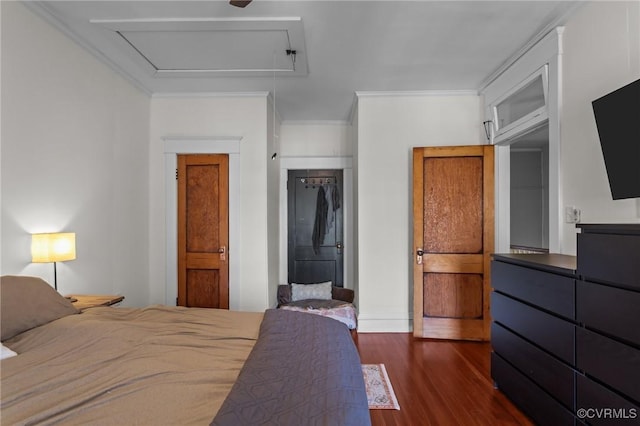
{"x": 617, "y": 117}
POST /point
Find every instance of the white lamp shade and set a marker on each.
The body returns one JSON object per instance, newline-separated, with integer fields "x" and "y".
{"x": 55, "y": 247}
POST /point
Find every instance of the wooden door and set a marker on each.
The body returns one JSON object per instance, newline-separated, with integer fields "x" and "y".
{"x": 453, "y": 214}
{"x": 315, "y": 255}
{"x": 203, "y": 230}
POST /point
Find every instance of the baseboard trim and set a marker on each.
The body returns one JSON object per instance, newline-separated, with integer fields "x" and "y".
{"x": 385, "y": 325}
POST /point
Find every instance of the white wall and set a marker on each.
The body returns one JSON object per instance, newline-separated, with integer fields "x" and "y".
{"x": 274, "y": 146}
{"x": 73, "y": 159}
{"x": 355, "y": 125}
{"x": 388, "y": 128}
{"x": 211, "y": 117}
{"x": 316, "y": 139}
{"x": 601, "y": 54}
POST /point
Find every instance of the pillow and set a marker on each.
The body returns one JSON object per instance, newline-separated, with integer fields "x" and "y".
{"x": 6, "y": 352}
{"x": 320, "y": 291}
{"x": 28, "y": 302}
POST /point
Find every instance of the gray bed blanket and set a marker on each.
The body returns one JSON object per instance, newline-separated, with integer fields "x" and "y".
{"x": 303, "y": 370}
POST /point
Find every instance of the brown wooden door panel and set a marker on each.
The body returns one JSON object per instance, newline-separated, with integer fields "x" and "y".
{"x": 465, "y": 263}
{"x": 453, "y": 205}
{"x": 203, "y": 288}
{"x": 453, "y": 328}
{"x": 203, "y": 230}
{"x": 453, "y": 295}
{"x": 204, "y": 261}
{"x": 453, "y": 227}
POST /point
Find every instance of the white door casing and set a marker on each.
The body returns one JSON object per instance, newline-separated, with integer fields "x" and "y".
{"x": 201, "y": 145}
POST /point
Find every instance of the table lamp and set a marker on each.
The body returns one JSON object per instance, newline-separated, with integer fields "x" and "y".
{"x": 53, "y": 247}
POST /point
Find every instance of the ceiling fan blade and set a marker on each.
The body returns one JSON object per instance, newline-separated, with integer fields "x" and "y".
{"x": 239, "y": 3}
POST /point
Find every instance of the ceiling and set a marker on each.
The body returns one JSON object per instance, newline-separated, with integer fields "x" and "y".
{"x": 336, "y": 48}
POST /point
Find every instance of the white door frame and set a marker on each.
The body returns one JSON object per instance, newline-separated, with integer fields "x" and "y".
{"x": 547, "y": 51}
{"x": 201, "y": 145}
{"x": 318, "y": 163}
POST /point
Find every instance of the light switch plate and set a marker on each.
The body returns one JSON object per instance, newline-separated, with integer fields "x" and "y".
{"x": 571, "y": 214}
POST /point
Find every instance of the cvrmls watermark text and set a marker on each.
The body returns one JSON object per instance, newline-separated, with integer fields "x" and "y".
{"x": 607, "y": 413}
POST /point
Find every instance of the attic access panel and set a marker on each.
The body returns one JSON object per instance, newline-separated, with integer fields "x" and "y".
{"x": 213, "y": 47}
{"x": 170, "y": 51}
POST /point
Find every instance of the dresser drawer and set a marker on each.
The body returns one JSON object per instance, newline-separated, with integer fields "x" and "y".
{"x": 610, "y": 258}
{"x": 597, "y": 399}
{"x": 552, "y": 375}
{"x": 551, "y": 333}
{"x": 609, "y": 361}
{"x": 528, "y": 396}
{"x": 552, "y": 292}
{"x": 611, "y": 310}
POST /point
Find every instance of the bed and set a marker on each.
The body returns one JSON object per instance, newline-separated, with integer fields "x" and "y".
{"x": 165, "y": 365}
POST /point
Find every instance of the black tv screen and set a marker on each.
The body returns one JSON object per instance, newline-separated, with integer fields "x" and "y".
{"x": 617, "y": 117}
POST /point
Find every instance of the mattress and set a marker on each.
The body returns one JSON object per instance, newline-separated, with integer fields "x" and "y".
{"x": 164, "y": 365}
{"x": 156, "y": 365}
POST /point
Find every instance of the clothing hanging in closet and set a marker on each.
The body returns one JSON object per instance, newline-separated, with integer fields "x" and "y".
{"x": 320, "y": 223}
{"x": 327, "y": 202}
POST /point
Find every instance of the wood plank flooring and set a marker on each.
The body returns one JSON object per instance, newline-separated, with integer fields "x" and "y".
{"x": 438, "y": 382}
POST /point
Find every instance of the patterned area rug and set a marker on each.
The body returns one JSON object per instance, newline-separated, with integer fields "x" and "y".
{"x": 379, "y": 391}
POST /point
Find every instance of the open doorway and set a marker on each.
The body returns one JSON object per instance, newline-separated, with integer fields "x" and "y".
{"x": 315, "y": 226}
{"x": 349, "y": 249}
{"x": 529, "y": 192}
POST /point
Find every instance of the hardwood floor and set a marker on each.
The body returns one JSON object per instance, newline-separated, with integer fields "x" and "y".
{"x": 438, "y": 382}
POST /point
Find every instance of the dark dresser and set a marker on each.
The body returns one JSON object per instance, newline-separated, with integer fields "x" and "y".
{"x": 566, "y": 330}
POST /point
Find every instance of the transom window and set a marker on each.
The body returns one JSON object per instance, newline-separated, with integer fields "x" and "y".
{"x": 522, "y": 107}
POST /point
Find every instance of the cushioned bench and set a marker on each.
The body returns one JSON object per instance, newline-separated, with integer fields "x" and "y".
{"x": 339, "y": 306}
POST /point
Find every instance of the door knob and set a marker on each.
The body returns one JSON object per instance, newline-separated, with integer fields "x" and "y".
{"x": 419, "y": 254}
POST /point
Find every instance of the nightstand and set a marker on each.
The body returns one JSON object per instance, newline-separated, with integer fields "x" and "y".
{"x": 86, "y": 301}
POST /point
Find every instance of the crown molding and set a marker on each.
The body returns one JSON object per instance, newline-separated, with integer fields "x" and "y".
{"x": 463, "y": 92}
{"x": 315, "y": 123}
{"x": 40, "y": 9}
{"x": 161, "y": 95}
{"x": 559, "y": 21}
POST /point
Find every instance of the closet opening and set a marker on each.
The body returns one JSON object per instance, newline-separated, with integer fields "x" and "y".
{"x": 315, "y": 225}
{"x": 529, "y": 192}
